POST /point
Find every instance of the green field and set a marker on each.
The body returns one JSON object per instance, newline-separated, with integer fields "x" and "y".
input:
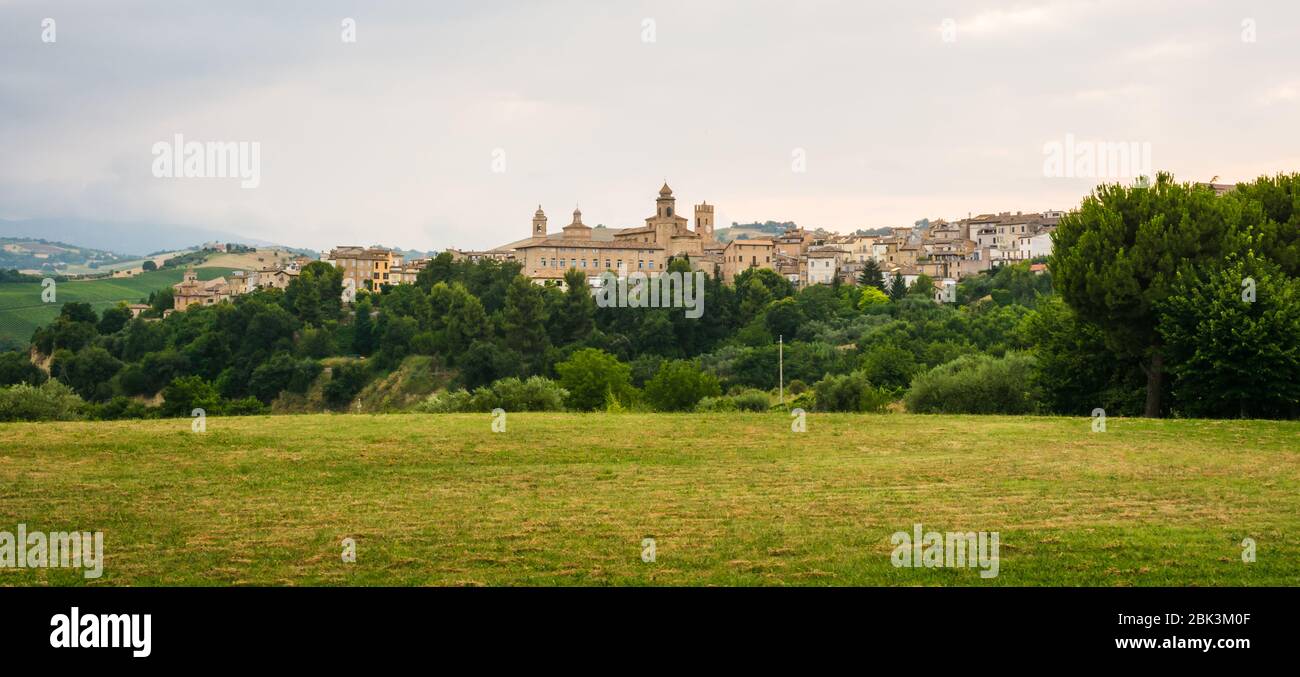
{"x": 21, "y": 309}
{"x": 730, "y": 499}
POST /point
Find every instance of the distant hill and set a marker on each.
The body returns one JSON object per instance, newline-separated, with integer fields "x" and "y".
{"x": 749, "y": 231}
{"x": 127, "y": 239}
{"x": 53, "y": 257}
{"x": 22, "y": 309}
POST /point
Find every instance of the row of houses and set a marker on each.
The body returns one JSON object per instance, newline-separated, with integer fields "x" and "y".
{"x": 945, "y": 251}
{"x": 191, "y": 291}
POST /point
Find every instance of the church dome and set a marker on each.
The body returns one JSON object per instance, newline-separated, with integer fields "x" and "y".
{"x": 665, "y": 191}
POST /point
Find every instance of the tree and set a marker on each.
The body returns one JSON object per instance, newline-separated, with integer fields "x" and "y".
{"x": 1232, "y": 336}
{"x": 1076, "y": 372}
{"x": 754, "y": 298}
{"x": 872, "y": 297}
{"x": 363, "y": 332}
{"x": 88, "y": 372}
{"x": 784, "y": 317}
{"x": 78, "y": 311}
{"x": 523, "y": 321}
{"x": 679, "y": 385}
{"x": 187, "y": 393}
{"x": 1116, "y": 256}
{"x": 591, "y": 375}
{"x": 440, "y": 269}
{"x": 466, "y": 320}
{"x": 485, "y": 362}
{"x": 888, "y": 366}
{"x": 572, "y": 320}
{"x": 148, "y": 265}
{"x": 924, "y": 286}
{"x": 871, "y": 276}
{"x": 346, "y": 380}
{"x": 897, "y": 287}
{"x": 316, "y": 293}
{"x": 114, "y": 319}
{"x": 16, "y": 367}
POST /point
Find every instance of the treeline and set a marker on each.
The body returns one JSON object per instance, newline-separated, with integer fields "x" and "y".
{"x": 1141, "y": 272}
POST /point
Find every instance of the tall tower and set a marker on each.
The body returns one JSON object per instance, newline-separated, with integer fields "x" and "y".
{"x": 704, "y": 221}
{"x": 666, "y": 202}
{"x": 539, "y": 223}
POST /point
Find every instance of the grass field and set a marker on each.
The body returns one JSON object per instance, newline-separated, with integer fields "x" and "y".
{"x": 731, "y": 499}
{"x": 22, "y": 311}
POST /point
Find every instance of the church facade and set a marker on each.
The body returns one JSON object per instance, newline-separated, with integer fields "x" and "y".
{"x": 645, "y": 249}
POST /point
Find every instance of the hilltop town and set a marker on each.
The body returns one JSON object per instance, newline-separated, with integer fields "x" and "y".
{"x": 944, "y": 251}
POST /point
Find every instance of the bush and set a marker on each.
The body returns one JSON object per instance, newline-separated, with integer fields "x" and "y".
{"x": 535, "y": 394}
{"x": 590, "y": 376}
{"x": 977, "y": 384}
{"x": 187, "y": 393}
{"x": 511, "y": 394}
{"x": 247, "y": 406}
{"x": 752, "y": 400}
{"x": 448, "y": 402}
{"x": 50, "y": 401}
{"x": 122, "y": 407}
{"x": 850, "y": 392}
{"x": 679, "y": 385}
{"x": 346, "y": 380}
{"x": 715, "y": 404}
{"x": 16, "y": 367}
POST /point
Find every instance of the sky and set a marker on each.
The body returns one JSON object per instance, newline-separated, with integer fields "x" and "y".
{"x": 446, "y": 124}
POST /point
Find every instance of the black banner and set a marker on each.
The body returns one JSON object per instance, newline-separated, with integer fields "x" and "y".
{"x": 163, "y": 626}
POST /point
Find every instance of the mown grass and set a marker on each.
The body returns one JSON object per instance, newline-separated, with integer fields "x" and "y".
{"x": 731, "y": 499}
{"x": 22, "y": 310}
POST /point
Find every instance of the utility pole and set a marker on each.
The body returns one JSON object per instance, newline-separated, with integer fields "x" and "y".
{"x": 780, "y": 361}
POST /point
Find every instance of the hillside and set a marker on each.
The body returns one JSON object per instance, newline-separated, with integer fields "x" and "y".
{"x": 56, "y": 258}
{"x": 21, "y": 309}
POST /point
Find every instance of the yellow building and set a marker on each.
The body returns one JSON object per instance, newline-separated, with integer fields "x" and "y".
{"x": 367, "y": 267}
{"x": 741, "y": 255}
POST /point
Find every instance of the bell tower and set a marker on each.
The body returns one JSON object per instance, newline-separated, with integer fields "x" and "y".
{"x": 665, "y": 203}
{"x": 704, "y": 221}
{"x": 539, "y": 223}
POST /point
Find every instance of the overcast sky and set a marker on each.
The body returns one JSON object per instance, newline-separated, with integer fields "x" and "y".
{"x": 391, "y": 139}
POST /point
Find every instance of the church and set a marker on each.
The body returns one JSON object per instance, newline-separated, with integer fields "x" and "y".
{"x": 546, "y": 257}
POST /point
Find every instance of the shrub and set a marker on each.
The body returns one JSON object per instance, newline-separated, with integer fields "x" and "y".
{"x": 512, "y": 394}
{"x": 535, "y": 394}
{"x": 977, "y": 384}
{"x": 679, "y": 385}
{"x": 247, "y": 406}
{"x": 187, "y": 393}
{"x": 448, "y": 402}
{"x": 752, "y": 400}
{"x": 346, "y": 380}
{"x": 590, "y": 376}
{"x": 122, "y": 407}
{"x": 715, "y": 404}
{"x": 50, "y": 401}
{"x": 16, "y": 367}
{"x": 850, "y": 392}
